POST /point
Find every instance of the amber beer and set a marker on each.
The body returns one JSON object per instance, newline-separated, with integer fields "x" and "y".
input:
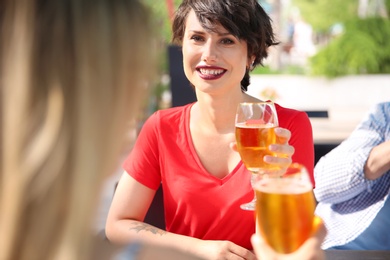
{"x": 252, "y": 144}
{"x": 285, "y": 212}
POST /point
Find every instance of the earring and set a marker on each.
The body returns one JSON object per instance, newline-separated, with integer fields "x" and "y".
{"x": 252, "y": 65}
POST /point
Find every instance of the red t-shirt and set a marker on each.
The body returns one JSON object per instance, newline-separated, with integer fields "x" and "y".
{"x": 196, "y": 203}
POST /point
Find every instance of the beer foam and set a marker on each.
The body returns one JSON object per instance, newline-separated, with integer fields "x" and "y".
{"x": 282, "y": 186}
{"x": 255, "y": 125}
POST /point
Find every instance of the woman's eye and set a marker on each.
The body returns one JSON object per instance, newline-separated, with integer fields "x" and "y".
{"x": 227, "y": 41}
{"x": 196, "y": 38}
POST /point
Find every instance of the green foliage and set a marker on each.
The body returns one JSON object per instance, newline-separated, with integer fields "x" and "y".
{"x": 290, "y": 69}
{"x": 161, "y": 17}
{"x": 362, "y": 49}
{"x": 263, "y": 70}
{"x": 322, "y": 14}
{"x": 387, "y": 3}
{"x": 163, "y": 30}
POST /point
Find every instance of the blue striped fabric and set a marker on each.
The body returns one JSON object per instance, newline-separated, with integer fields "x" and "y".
{"x": 347, "y": 201}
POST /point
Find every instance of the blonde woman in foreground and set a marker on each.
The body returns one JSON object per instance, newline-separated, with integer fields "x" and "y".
{"x": 74, "y": 73}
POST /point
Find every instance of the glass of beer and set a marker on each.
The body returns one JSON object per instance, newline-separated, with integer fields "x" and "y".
{"x": 255, "y": 132}
{"x": 285, "y": 208}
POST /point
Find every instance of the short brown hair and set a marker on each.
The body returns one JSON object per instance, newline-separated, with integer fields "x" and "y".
{"x": 245, "y": 19}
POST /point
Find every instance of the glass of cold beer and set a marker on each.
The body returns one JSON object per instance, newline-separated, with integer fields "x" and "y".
{"x": 285, "y": 208}
{"x": 255, "y": 132}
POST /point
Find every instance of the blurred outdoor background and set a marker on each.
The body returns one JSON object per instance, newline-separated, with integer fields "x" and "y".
{"x": 327, "y": 39}
{"x": 333, "y": 62}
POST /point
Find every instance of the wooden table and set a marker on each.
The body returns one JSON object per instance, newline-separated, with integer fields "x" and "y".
{"x": 357, "y": 255}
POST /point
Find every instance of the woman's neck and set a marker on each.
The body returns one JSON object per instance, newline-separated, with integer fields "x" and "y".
{"x": 217, "y": 114}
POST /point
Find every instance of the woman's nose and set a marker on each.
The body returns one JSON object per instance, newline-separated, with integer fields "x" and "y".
{"x": 209, "y": 52}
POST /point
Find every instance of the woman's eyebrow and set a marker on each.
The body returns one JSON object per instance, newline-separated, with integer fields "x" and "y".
{"x": 218, "y": 33}
{"x": 224, "y": 34}
{"x": 196, "y": 31}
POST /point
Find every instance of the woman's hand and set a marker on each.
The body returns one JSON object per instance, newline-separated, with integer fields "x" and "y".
{"x": 215, "y": 250}
{"x": 283, "y": 151}
{"x": 310, "y": 250}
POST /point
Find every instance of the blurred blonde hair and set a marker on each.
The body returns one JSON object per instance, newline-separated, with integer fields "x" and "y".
{"x": 73, "y": 75}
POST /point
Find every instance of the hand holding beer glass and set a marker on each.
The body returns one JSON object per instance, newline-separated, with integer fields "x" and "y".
{"x": 285, "y": 208}
{"x": 255, "y": 131}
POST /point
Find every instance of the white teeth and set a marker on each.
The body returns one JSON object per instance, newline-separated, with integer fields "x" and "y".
{"x": 210, "y": 72}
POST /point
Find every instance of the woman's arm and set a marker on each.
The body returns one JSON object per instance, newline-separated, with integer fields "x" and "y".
{"x": 125, "y": 224}
{"x": 127, "y": 211}
{"x": 126, "y": 215}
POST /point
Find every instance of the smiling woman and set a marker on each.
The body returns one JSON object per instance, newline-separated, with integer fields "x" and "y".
{"x": 188, "y": 149}
{"x": 257, "y": 34}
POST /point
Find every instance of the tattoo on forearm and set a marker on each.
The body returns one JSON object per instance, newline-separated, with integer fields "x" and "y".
{"x": 138, "y": 227}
